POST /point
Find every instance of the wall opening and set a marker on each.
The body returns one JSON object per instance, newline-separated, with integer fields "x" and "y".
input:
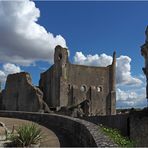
{"x": 83, "y": 88}
{"x": 99, "y": 89}
{"x": 60, "y": 56}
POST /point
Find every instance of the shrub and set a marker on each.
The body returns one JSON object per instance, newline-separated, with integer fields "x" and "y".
{"x": 115, "y": 135}
{"x": 27, "y": 134}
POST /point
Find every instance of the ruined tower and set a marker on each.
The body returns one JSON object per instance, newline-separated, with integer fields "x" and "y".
{"x": 144, "y": 53}
{"x": 89, "y": 87}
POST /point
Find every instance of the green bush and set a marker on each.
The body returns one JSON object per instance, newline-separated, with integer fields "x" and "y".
{"x": 26, "y": 135}
{"x": 115, "y": 135}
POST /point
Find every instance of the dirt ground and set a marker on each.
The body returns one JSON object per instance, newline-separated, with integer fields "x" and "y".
{"x": 50, "y": 139}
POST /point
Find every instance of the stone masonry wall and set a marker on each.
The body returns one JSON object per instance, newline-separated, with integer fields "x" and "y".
{"x": 133, "y": 125}
{"x": 67, "y": 85}
{"x": 139, "y": 127}
{"x": 80, "y": 132}
{"x": 90, "y": 78}
{"x": 0, "y": 100}
{"x": 120, "y": 122}
{"x": 20, "y": 95}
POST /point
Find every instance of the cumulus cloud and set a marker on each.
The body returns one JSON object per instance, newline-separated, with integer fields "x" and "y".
{"x": 124, "y": 71}
{"x": 123, "y": 67}
{"x": 131, "y": 98}
{"x": 7, "y": 69}
{"x": 22, "y": 40}
{"x": 94, "y": 60}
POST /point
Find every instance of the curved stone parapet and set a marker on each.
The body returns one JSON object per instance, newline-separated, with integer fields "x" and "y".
{"x": 80, "y": 132}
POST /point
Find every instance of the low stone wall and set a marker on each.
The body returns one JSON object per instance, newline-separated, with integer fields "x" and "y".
{"x": 139, "y": 127}
{"x": 80, "y": 132}
{"x": 120, "y": 122}
{"x": 133, "y": 125}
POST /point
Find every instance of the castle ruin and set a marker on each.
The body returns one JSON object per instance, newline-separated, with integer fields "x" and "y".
{"x": 90, "y": 88}
{"x": 86, "y": 90}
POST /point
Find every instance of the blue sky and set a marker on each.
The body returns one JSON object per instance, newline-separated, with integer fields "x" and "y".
{"x": 99, "y": 27}
{"x": 86, "y": 28}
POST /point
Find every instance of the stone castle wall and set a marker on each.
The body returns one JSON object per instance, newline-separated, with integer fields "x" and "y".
{"x": 20, "y": 95}
{"x": 66, "y": 84}
{"x": 120, "y": 122}
{"x": 133, "y": 125}
{"x": 80, "y": 133}
{"x": 86, "y": 90}
{"x": 139, "y": 127}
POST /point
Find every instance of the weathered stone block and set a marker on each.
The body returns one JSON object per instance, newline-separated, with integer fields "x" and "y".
{"x": 0, "y": 100}
{"x": 20, "y": 95}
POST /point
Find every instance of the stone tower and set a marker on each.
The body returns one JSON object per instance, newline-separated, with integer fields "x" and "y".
{"x": 144, "y": 53}
{"x": 60, "y": 69}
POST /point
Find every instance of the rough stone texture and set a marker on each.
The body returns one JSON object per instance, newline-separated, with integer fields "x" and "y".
{"x": 67, "y": 85}
{"x": 144, "y": 53}
{"x": 120, "y": 122}
{"x": 145, "y": 69}
{"x": 139, "y": 127}
{"x": 20, "y": 95}
{"x": 2, "y": 131}
{"x": 133, "y": 125}
{"x": 0, "y": 100}
{"x": 79, "y": 132}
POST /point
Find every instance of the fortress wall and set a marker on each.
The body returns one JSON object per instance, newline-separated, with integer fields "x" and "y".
{"x": 139, "y": 127}
{"x": 92, "y": 78}
{"x": 21, "y": 95}
{"x": 1, "y": 99}
{"x": 133, "y": 125}
{"x": 62, "y": 83}
{"x": 120, "y": 122}
{"x": 79, "y": 74}
{"x": 48, "y": 84}
{"x": 80, "y": 132}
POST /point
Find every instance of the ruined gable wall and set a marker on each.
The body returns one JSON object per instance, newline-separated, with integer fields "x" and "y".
{"x": 20, "y": 95}
{"x": 49, "y": 84}
{"x": 90, "y": 77}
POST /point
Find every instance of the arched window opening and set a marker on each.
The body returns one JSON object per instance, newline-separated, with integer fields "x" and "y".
{"x": 99, "y": 89}
{"x": 60, "y": 56}
{"x": 83, "y": 88}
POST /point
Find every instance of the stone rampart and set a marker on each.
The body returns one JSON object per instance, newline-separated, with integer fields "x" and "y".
{"x": 139, "y": 127}
{"x": 120, "y": 122}
{"x": 80, "y": 132}
{"x": 133, "y": 125}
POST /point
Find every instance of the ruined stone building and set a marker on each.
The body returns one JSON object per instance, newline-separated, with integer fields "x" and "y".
{"x": 90, "y": 88}
{"x": 20, "y": 94}
{"x": 144, "y": 52}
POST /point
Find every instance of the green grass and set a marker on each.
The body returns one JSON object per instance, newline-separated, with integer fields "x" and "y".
{"x": 115, "y": 135}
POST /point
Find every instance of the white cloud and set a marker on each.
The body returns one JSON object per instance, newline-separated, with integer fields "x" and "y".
{"x": 22, "y": 40}
{"x": 123, "y": 67}
{"x": 94, "y": 60}
{"x": 7, "y": 69}
{"x": 131, "y": 98}
{"x": 124, "y": 72}
{"x": 2, "y": 76}
{"x": 11, "y": 68}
